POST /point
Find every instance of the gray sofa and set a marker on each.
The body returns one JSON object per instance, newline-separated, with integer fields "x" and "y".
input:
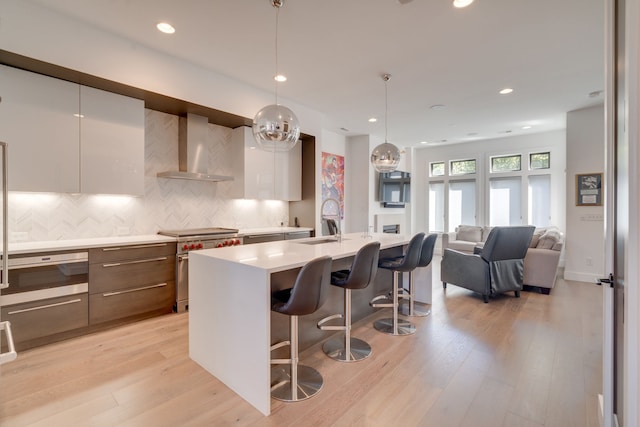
{"x": 540, "y": 263}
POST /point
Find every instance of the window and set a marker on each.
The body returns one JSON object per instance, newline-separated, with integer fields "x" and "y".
{"x": 505, "y": 201}
{"x": 540, "y": 200}
{"x": 539, "y": 160}
{"x": 506, "y": 163}
{"x": 463, "y": 167}
{"x": 436, "y": 207}
{"x": 462, "y": 203}
{"x": 437, "y": 168}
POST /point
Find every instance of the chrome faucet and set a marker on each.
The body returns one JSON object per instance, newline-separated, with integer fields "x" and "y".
{"x": 337, "y": 216}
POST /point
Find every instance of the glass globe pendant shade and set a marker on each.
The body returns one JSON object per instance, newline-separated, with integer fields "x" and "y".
{"x": 276, "y": 128}
{"x": 385, "y": 157}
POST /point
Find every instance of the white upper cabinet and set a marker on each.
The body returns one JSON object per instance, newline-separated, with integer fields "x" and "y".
{"x": 264, "y": 175}
{"x": 39, "y": 122}
{"x": 111, "y": 143}
{"x": 68, "y": 138}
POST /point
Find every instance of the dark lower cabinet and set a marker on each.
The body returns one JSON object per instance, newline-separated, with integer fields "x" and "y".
{"x": 36, "y": 320}
{"x": 130, "y": 281}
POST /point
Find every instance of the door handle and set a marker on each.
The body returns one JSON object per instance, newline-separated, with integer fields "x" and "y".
{"x": 609, "y": 280}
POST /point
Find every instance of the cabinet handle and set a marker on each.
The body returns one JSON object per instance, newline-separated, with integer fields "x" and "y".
{"x": 154, "y": 245}
{"x": 116, "y": 264}
{"x": 10, "y": 355}
{"x": 110, "y": 294}
{"x": 40, "y": 307}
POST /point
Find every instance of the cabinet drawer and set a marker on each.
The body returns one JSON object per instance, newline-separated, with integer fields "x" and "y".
{"x": 261, "y": 238}
{"x": 114, "y": 305}
{"x": 119, "y": 275}
{"x": 292, "y": 235}
{"x": 120, "y": 253}
{"x": 50, "y": 316}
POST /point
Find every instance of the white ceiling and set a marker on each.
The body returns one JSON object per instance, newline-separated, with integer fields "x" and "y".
{"x": 334, "y": 52}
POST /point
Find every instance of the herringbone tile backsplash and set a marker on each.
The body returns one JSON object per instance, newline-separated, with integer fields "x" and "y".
{"x": 166, "y": 204}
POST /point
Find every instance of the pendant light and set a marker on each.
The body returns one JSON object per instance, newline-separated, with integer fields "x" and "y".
{"x": 276, "y": 127}
{"x": 385, "y": 157}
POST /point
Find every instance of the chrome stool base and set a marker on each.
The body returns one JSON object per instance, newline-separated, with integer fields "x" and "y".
{"x": 405, "y": 309}
{"x": 309, "y": 383}
{"x": 402, "y": 328}
{"x": 335, "y": 349}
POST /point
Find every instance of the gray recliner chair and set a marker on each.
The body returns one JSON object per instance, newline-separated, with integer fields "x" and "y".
{"x": 497, "y": 267}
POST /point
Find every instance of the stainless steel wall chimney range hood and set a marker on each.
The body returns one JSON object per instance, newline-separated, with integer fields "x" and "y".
{"x": 193, "y": 155}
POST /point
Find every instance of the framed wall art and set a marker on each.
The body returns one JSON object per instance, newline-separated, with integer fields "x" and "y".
{"x": 589, "y": 189}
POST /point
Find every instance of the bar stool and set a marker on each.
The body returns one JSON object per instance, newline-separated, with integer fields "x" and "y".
{"x": 398, "y": 265}
{"x": 426, "y": 255}
{"x": 295, "y": 382}
{"x": 363, "y": 271}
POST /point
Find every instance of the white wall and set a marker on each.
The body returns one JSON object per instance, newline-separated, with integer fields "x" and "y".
{"x": 554, "y": 142}
{"x": 358, "y": 184}
{"x": 584, "y": 250}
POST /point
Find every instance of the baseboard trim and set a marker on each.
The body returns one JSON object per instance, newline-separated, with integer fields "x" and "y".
{"x": 577, "y": 276}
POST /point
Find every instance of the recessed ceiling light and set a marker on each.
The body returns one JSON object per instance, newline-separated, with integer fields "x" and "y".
{"x": 506, "y": 91}
{"x": 166, "y": 28}
{"x": 526, "y": 127}
{"x": 462, "y": 3}
{"x": 373, "y": 120}
{"x": 438, "y": 107}
{"x": 424, "y": 142}
{"x": 78, "y": 115}
{"x": 280, "y": 78}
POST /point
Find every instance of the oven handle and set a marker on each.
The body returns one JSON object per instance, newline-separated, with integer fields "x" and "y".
{"x": 110, "y": 294}
{"x": 183, "y": 258}
{"x": 10, "y": 355}
{"x": 140, "y": 261}
{"x": 154, "y": 245}
{"x": 41, "y": 307}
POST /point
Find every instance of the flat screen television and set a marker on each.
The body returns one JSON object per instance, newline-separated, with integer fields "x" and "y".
{"x": 394, "y": 188}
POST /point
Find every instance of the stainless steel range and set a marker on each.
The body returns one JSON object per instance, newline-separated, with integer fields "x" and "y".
{"x": 193, "y": 240}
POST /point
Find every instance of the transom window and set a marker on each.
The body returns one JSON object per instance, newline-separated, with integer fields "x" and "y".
{"x": 436, "y": 168}
{"x": 463, "y": 167}
{"x": 506, "y": 163}
{"x": 540, "y": 160}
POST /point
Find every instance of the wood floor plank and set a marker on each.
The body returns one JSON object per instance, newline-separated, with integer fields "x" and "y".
{"x": 515, "y": 362}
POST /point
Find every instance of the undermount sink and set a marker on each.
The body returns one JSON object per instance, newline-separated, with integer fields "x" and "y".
{"x": 320, "y": 241}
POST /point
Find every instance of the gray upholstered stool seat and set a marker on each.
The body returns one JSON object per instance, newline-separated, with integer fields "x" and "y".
{"x": 398, "y": 265}
{"x": 290, "y": 381}
{"x": 363, "y": 270}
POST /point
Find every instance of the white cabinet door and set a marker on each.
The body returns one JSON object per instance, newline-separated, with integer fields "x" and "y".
{"x": 112, "y": 143}
{"x": 265, "y": 175}
{"x": 39, "y": 122}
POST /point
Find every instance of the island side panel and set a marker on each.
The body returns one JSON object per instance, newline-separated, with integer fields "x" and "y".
{"x": 229, "y": 324}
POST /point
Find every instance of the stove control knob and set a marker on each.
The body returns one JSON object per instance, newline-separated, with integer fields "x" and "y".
{"x": 219, "y": 245}
{"x": 200, "y": 246}
{"x": 237, "y": 242}
{"x": 225, "y": 243}
{"x": 193, "y": 246}
{"x": 185, "y": 247}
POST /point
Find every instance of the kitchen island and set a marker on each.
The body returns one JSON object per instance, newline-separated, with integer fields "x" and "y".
{"x": 230, "y": 319}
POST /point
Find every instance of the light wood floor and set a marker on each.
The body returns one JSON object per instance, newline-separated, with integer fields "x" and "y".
{"x": 532, "y": 361}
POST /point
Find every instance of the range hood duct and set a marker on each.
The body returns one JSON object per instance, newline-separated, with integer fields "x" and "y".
{"x": 193, "y": 157}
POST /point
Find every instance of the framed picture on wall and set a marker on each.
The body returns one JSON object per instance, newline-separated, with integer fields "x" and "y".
{"x": 589, "y": 189}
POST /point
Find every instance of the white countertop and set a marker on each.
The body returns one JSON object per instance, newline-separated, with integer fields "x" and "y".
{"x": 94, "y": 242}
{"x": 286, "y": 254}
{"x": 71, "y": 244}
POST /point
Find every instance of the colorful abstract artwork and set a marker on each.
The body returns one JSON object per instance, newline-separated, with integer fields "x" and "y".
{"x": 333, "y": 183}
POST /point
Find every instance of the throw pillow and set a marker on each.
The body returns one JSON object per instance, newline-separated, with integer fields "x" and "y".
{"x": 469, "y": 233}
{"x": 536, "y": 236}
{"x": 549, "y": 239}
